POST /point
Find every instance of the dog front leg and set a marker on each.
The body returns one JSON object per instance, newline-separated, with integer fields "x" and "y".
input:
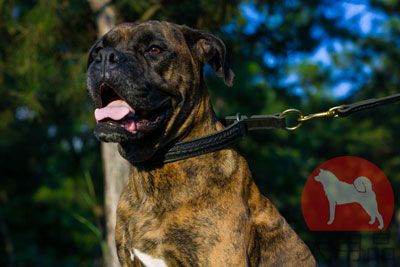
{"x": 332, "y": 205}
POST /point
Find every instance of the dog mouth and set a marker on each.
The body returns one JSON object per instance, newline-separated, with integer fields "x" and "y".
{"x": 115, "y": 112}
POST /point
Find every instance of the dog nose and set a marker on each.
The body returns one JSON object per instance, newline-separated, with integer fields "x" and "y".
{"x": 109, "y": 56}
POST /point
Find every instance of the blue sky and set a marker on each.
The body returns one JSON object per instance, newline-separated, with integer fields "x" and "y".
{"x": 356, "y": 16}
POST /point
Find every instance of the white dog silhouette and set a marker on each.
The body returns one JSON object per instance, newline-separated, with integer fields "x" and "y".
{"x": 339, "y": 192}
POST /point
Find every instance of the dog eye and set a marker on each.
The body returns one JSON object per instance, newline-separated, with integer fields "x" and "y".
{"x": 154, "y": 50}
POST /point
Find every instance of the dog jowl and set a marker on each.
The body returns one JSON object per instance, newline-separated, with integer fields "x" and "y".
{"x": 147, "y": 87}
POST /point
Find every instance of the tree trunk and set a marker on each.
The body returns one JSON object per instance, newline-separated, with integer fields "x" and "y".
{"x": 116, "y": 172}
{"x": 116, "y": 169}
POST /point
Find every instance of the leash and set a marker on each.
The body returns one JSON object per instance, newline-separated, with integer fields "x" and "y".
{"x": 342, "y": 110}
{"x": 239, "y": 125}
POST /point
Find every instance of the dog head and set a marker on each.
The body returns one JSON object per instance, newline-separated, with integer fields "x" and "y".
{"x": 146, "y": 83}
{"x": 325, "y": 177}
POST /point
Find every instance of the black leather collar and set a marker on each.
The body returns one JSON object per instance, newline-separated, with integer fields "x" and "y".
{"x": 237, "y": 127}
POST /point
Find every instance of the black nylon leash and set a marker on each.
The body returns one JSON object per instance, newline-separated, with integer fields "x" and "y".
{"x": 342, "y": 110}
{"x": 238, "y": 126}
{"x": 366, "y": 104}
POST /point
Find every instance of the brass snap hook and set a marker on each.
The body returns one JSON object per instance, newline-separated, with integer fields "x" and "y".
{"x": 330, "y": 113}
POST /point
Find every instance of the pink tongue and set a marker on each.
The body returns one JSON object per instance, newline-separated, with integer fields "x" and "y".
{"x": 116, "y": 110}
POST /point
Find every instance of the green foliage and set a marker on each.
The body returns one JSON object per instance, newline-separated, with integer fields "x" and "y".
{"x": 46, "y": 141}
{"x": 51, "y": 189}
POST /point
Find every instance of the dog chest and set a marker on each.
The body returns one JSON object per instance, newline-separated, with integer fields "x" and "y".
{"x": 189, "y": 236}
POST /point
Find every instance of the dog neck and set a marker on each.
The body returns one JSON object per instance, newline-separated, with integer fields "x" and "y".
{"x": 173, "y": 184}
{"x": 205, "y": 122}
{"x": 148, "y": 178}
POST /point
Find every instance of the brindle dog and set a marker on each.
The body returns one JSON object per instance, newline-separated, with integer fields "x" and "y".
{"x": 147, "y": 86}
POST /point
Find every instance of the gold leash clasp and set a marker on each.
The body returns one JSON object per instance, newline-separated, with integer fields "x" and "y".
{"x": 330, "y": 113}
{"x": 296, "y": 111}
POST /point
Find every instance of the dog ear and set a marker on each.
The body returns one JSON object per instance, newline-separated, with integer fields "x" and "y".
{"x": 209, "y": 49}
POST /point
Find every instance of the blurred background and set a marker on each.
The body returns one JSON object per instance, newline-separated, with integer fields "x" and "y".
{"x": 307, "y": 54}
